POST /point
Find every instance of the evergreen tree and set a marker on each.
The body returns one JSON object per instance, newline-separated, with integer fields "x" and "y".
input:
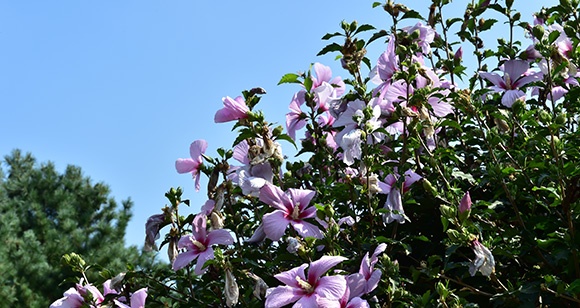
{"x": 43, "y": 215}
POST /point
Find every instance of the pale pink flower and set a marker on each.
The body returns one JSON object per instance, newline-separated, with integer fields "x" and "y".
{"x": 234, "y": 109}
{"x": 367, "y": 278}
{"x": 394, "y": 201}
{"x": 292, "y": 207}
{"x": 516, "y": 74}
{"x": 137, "y": 299}
{"x": 193, "y": 164}
{"x": 295, "y": 119}
{"x": 307, "y": 291}
{"x": 198, "y": 244}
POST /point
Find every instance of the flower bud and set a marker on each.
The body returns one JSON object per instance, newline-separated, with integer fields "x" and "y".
{"x": 447, "y": 211}
{"x": 465, "y": 203}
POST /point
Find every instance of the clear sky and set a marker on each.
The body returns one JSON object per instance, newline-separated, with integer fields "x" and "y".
{"x": 121, "y": 88}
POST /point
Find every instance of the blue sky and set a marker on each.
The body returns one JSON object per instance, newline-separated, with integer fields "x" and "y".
{"x": 121, "y": 88}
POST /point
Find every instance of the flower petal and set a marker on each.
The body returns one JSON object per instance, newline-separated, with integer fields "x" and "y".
{"x": 138, "y": 298}
{"x": 301, "y": 197}
{"x": 306, "y": 229}
{"x": 282, "y": 296}
{"x": 220, "y": 236}
{"x": 197, "y": 148}
{"x": 275, "y": 224}
{"x": 203, "y": 257}
{"x": 322, "y": 265}
{"x": 185, "y": 165}
{"x": 183, "y": 259}
{"x": 331, "y": 287}
{"x": 274, "y": 196}
{"x": 289, "y": 277}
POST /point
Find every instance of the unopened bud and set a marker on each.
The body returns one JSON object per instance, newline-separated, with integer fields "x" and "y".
{"x": 429, "y": 187}
{"x": 447, "y": 211}
{"x": 465, "y": 203}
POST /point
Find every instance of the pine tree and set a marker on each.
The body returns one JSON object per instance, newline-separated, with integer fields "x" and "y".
{"x": 43, "y": 215}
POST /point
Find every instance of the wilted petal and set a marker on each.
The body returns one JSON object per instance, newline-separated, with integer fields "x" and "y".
{"x": 394, "y": 203}
{"x": 231, "y": 289}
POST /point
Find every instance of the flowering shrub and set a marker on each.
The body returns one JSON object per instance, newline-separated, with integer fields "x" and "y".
{"x": 462, "y": 187}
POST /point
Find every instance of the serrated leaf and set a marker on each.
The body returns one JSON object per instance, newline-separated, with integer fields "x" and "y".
{"x": 377, "y": 35}
{"x": 365, "y": 27}
{"x": 328, "y": 36}
{"x": 329, "y": 48}
{"x": 463, "y": 176}
{"x": 412, "y": 14}
{"x": 287, "y": 138}
{"x": 366, "y": 61}
{"x": 487, "y": 24}
{"x": 289, "y": 78}
{"x": 451, "y": 21}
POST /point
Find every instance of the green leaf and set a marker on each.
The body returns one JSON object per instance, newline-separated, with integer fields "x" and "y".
{"x": 375, "y": 4}
{"x": 574, "y": 287}
{"x": 308, "y": 84}
{"x": 328, "y": 36}
{"x": 487, "y": 24}
{"x": 287, "y": 138}
{"x": 377, "y": 35}
{"x": 463, "y": 176}
{"x": 363, "y": 28}
{"x": 289, "y": 78}
{"x": 553, "y": 36}
{"x": 329, "y": 48}
{"x": 412, "y": 14}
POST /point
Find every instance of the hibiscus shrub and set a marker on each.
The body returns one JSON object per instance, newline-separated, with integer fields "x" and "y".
{"x": 415, "y": 182}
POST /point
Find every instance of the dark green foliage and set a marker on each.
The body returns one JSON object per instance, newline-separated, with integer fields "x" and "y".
{"x": 43, "y": 215}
